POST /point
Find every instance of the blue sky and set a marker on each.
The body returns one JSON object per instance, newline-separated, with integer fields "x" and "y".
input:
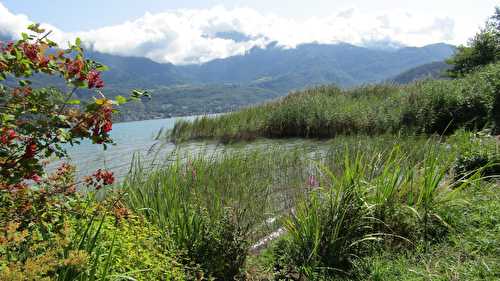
{"x": 186, "y": 31}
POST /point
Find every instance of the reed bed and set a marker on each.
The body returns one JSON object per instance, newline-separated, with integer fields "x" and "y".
{"x": 324, "y": 112}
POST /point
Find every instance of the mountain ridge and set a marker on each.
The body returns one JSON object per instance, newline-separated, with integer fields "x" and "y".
{"x": 254, "y": 77}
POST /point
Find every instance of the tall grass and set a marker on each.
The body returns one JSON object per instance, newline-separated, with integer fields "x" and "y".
{"x": 390, "y": 195}
{"x": 324, "y": 112}
{"x": 212, "y": 207}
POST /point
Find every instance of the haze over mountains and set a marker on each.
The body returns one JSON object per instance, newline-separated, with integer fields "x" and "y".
{"x": 275, "y": 68}
{"x": 261, "y": 74}
{"x": 258, "y": 75}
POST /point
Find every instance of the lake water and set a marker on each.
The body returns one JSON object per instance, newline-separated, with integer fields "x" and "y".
{"x": 135, "y": 139}
{"x": 131, "y": 138}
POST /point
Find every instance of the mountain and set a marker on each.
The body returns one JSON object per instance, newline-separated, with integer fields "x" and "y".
{"x": 309, "y": 64}
{"x": 275, "y": 68}
{"x": 253, "y": 77}
{"x": 434, "y": 70}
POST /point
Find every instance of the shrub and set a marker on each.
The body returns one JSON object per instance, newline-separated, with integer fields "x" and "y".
{"x": 47, "y": 230}
{"x": 222, "y": 250}
{"x": 484, "y": 164}
{"x": 325, "y": 232}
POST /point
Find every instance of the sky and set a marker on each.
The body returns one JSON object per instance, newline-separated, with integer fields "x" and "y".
{"x": 191, "y": 31}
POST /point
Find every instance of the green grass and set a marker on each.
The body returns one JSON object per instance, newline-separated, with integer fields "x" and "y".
{"x": 400, "y": 191}
{"x": 325, "y": 112}
{"x": 469, "y": 252}
{"x": 353, "y": 207}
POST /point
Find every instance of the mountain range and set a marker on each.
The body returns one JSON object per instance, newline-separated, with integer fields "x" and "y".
{"x": 256, "y": 76}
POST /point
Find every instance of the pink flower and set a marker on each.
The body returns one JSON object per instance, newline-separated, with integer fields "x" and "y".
{"x": 312, "y": 181}
{"x": 36, "y": 178}
{"x": 94, "y": 79}
{"x": 30, "y": 150}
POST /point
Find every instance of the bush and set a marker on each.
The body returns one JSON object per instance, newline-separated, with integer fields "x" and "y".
{"x": 325, "y": 233}
{"x": 222, "y": 250}
{"x": 470, "y": 164}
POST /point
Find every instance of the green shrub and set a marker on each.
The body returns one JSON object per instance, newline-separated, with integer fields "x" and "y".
{"x": 484, "y": 164}
{"x": 325, "y": 232}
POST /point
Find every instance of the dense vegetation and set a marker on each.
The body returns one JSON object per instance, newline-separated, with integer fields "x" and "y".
{"x": 385, "y": 198}
{"x": 482, "y": 49}
{"x": 434, "y": 70}
{"x": 422, "y": 107}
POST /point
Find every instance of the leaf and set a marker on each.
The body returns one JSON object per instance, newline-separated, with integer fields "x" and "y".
{"x": 139, "y": 94}
{"x": 24, "y": 83}
{"x": 50, "y": 43}
{"x": 78, "y": 42}
{"x": 74, "y": 102}
{"x": 121, "y": 99}
{"x": 7, "y": 117}
{"x": 35, "y": 27}
{"x": 101, "y": 67}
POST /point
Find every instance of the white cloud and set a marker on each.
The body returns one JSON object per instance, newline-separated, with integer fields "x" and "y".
{"x": 189, "y": 36}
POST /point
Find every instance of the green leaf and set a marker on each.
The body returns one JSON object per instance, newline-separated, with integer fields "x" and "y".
{"x": 51, "y": 43}
{"x": 24, "y": 83}
{"x": 139, "y": 94}
{"x": 7, "y": 117}
{"x": 102, "y": 67}
{"x": 74, "y": 102}
{"x": 35, "y": 27}
{"x": 121, "y": 100}
{"x": 78, "y": 42}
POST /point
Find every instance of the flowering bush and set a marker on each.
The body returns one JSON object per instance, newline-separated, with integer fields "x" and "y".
{"x": 34, "y": 123}
{"x": 48, "y": 231}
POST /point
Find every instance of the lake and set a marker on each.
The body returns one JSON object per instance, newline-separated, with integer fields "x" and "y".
{"x": 131, "y": 138}
{"x": 138, "y": 139}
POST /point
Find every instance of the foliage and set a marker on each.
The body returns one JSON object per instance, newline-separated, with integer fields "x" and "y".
{"x": 51, "y": 232}
{"x": 426, "y": 107}
{"x": 36, "y": 122}
{"x": 469, "y": 252}
{"x": 483, "y": 49}
{"x": 479, "y": 158}
{"x": 213, "y": 207}
{"x": 325, "y": 232}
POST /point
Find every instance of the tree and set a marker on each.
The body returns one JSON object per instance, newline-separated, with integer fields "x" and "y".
{"x": 482, "y": 49}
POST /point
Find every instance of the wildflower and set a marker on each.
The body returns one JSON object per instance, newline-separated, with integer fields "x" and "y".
{"x": 107, "y": 127}
{"x": 100, "y": 178}
{"x": 43, "y": 62}
{"x": 31, "y": 51}
{"x": 121, "y": 212}
{"x": 312, "y": 181}
{"x": 36, "y": 178}
{"x": 7, "y": 136}
{"x": 30, "y": 150}
{"x": 74, "y": 68}
{"x": 94, "y": 79}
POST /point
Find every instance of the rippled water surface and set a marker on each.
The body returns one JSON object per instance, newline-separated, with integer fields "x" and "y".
{"x": 139, "y": 138}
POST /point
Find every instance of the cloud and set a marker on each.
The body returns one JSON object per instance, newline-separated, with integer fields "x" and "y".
{"x": 197, "y": 36}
